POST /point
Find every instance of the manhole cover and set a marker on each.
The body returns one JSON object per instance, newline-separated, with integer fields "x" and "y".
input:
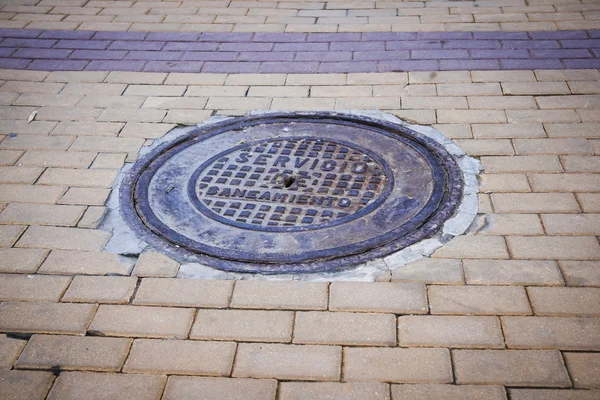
{"x": 291, "y": 192}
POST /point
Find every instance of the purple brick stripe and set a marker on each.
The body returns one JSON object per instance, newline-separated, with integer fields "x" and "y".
{"x": 297, "y": 52}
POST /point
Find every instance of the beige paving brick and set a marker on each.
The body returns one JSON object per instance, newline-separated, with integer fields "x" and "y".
{"x": 46, "y": 317}
{"x": 26, "y": 385}
{"x": 149, "y": 78}
{"x": 19, "y": 174}
{"x": 19, "y": 75}
{"x": 503, "y": 76}
{"x": 383, "y": 297}
{"x": 565, "y": 182}
{"x": 561, "y": 333}
{"x": 587, "y": 101}
{"x": 79, "y": 177}
{"x": 587, "y": 130}
{"x": 512, "y": 272}
{"x": 280, "y": 295}
{"x": 521, "y": 164}
{"x": 43, "y": 99}
{"x": 584, "y": 87}
{"x": 92, "y": 217}
{"x": 180, "y": 387}
{"x": 455, "y": 131}
{"x": 385, "y": 78}
{"x": 154, "y": 90}
{"x": 469, "y": 89}
{"x": 184, "y": 293}
{"x": 581, "y": 164}
{"x": 9, "y": 157}
{"x": 154, "y": 264}
{"x": 132, "y": 115}
{"x": 38, "y": 128}
{"x": 145, "y": 130}
{"x": 341, "y": 91}
{"x": 109, "y": 160}
{"x": 176, "y": 78}
{"x": 180, "y": 357}
{"x": 333, "y": 390}
{"x": 106, "y": 101}
{"x": 510, "y": 367}
{"x": 430, "y": 271}
{"x": 534, "y": 202}
{"x": 186, "y": 116}
{"x": 345, "y": 328}
{"x": 552, "y": 146}
{"x": 473, "y": 247}
{"x": 553, "y": 394}
{"x": 50, "y": 237}
{"x": 471, "y": 116}
{"x": 485, "y": 204}
{"x": 565, "y": 301}
{"x": 478, "y": 300}
{"x": 74, "y": 353}
{"x": 10, "y": 348}
{"x": 85, "y": 196}
{"x": 554, "y": 247}
{"x": 486, "y": 147}
{"x": 448, "y": 392}
{"x": 589, "y": 202}
{"x": 51, "y": 113}
{"x": 455, "y": 332}
{"x": 153, "y": 322}
{"x": 101, "y": 89}
{"x": 563, "y": 224}
{"x": 29, "y": 142}
{"x": 50, "y": 158}
{"x": 76, "y": 76}
{"x": 21, "y": 260}
{"x": 504, "y": 183}
{"x": 567, "y": 75}
{"x": 501, "y": 103}
{"x": 303, "y": 104}
{"x": 16, "y": 287}
{"x": 177, "y": 102}
{"x": 280, "y": 91}
{"x": 315, "y": 79}
{"x": 100, "y": 289}
{"x": 511, "y": 224}
{"x": 500, "y": 131}
{"x": 41, "y": 214}
{"x": 103, "y": 386}
{"x": 84, "y": 263}
{"x": 439, "y": 77}
{"x": 397, "y": 365}
{"x": 367, "y": 103}
{"x": 15, "y": 193}
{"x": 87, "y": 128}
{"x": 243, "y": 325}
{"x": 289, "y": 362}
{"x": 541, "y": 116}
{"x": 9, "y": 234}
{"x": 233, "y": 91}
{"x": 434, "y": 102}
{"x": 584, "y": 368}
{"x": 581, "y": 273}
{"x": 535, "y": 88}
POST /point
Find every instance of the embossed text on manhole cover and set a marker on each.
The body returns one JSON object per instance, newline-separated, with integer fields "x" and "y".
{"x": 291, "y": 192}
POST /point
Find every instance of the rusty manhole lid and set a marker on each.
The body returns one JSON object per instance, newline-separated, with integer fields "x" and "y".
{"x": 291, "y": 192}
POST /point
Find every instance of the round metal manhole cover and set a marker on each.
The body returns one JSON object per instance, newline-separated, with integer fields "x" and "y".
{"x": 291, "y": 192}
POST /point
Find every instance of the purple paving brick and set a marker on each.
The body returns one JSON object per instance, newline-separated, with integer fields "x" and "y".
{"x": 408, "y": 65}
{"x": 210, "y": 55}
{"x": 469, "y": 65}
{"x": 481, "y": 53}
{"x": 558, "y": 35}
{"x": 289, "y": 67}
{"x": 591, "y": 63}
{"x": 230, "y": 67}
{"x": 279, "y": 37}
{"x": 530, "y": 64}
{"x": 119, "y": 36}
{"x": 414, "y": 45}
{"x": 445, "y": 35}
{"x": 7, "y": 51}
{"x": 301, "y": 47}
{"x": 594, "y": 33}
{"x": 20, "y": 33}
{"x": 115, "y": 65}
{"x": 471, "y": 44}
{"x": 530, "y": 44}
{"x": 561, "y": 53}
{"x": 135, "y": 45}
{"x": 14, "y": 63}
{"x": 155, "y": 55}
{"x": 266, "y": 56}
{"x": 439, "y": 54}
{"x": 82, "y": 44}
{"x": 357, "y": 46}
{"x": 501, "y": 35}
{"x": 173, "y": 36}
{"x": 225, "y": 37}
{"x": 333, "y": 37}
{"x": 34, "y": 43}
{"x": 381, "y": 55}
{"x": 98, "y": 54}
{"x": 596, "y": 52}
{"x": 58, "y": 65}
{"x": 384, "y": 36}
{"x": 190, "y": 46}
{"x": 346, "y": 67}
{"x": 173, "y": 66}
{"x": 580, "y": 44}
{"x": 245, "y": 46}
{"x": 67, "y": 34}
{"x": 42, "y": 53}
{"x": 324, "y": 56}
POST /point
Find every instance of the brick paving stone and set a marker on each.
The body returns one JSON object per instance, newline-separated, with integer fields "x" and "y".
{"x": 510, "y": 367}
{"x": 478, "y": 300}
{"x": 45, "y": 317}
{"x": 92, "y": 217}
{"x": 25, "y": 385}
{"x": 455, "y": 332}
{"x": 19, "y": 174}
{"x": 359, "y": 329}
{"x": 10, "y": 348}
{"x": 512, "y": 272}
{"x": 496, "y": 131}
{"x": 565, "y": 182}
{"x": 521, "y": 164}
{"x": 184, "y": 292}
{"x": 447, "y": 392}
{"x": 15, "y": 193}
{"x": 288, "y": 362}
{"x": 85, "y": 196}
{"x": 103, "y": 386}
{"x": 581, "y": 273}
{"x": 382, "y": 297}
{"x": 535, "y": 202}
{"x": 182, "y": 387}
{"x": 397, "y": 365}
{"x": 292, "y": 295}
{"x": 473, "y": 247}
{"x": 9, "y": 234}
{"x": 553, "y": 394}
{"x": 79, "y": 177}
{"x": 561, "y": 333}
{"x": 511, "y": 224}
{"x": 554, "y": 247}
{"x": 581, "y": 164}
{"x": 333, "y": 390}
{"x": 100, "y": 289}
{"x": 38, "y": 142}
{"x": 180, "y": 357}
{"x": 155, "y": 264}
{"x": 84, "y": 263}
{"x": 563, "y": 224}
{"x": 589, "y": 202}
{"x": 571, "y": 130}
{"x": 584, "y": 369}
{"x": 565, "y": 301}
{"x": 51, "y": 237}
{"x": 137, "y": 321}
{"x": 24, "y": 261}
{"x": 552, "y": 146}
{"x": 429, "y": 270}
{"x": 15, "y": 287}
{"x": 499, "y": 183}
{"x": 41, "y": 214}
{"x": 243, "y": 325}
{"x": 74, "y": 353}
